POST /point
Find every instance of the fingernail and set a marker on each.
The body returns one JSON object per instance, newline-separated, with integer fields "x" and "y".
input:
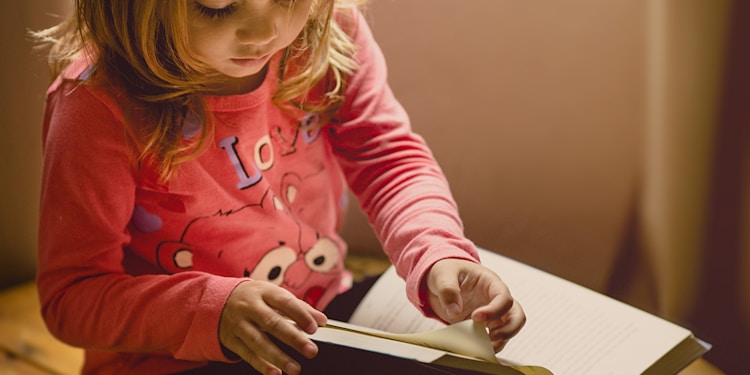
{"x": 292, "y": 368}
{"x": 310, "y": 350}
{"x": 479, "y": 317}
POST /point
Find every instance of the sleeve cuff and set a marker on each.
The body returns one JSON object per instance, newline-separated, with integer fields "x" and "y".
{"x": 202, "y": 339}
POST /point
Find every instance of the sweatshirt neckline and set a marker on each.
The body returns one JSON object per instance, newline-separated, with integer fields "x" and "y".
{"x": 262, "y": 94}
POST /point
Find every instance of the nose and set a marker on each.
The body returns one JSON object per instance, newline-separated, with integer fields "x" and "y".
{"x": 257, "y": 28}
{"x": 297, "y": 274}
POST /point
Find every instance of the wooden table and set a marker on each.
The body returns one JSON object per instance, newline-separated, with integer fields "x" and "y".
{"x": 26, "y": 344}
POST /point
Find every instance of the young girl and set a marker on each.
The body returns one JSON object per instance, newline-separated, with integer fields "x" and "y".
{"x": 197, "y": 156}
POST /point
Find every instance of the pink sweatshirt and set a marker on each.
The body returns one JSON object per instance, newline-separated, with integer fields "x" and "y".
{"x": 137, "y": 272}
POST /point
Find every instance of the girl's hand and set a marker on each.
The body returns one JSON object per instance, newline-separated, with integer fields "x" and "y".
{"x": 459, "y": 289}
{"x": 256, "y": 309}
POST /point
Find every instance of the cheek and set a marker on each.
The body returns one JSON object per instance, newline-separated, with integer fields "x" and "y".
{"x": 206, "y": 43}
{"x": 299, "y": 17}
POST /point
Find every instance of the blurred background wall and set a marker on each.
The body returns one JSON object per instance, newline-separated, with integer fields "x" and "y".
{"x": 606, "y": 142}
{"x": 24, "y": 79}
{"x": 603, "y": 141}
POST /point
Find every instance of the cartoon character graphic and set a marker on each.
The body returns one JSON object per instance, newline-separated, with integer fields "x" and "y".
{"x": 263, "y": 241}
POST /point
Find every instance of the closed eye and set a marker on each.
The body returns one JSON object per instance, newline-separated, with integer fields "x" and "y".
{"x": 287, "y": 3}
{"x": 214, "y": 13}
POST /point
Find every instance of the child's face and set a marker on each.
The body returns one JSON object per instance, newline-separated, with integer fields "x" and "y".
{"x": 238, "y": 37}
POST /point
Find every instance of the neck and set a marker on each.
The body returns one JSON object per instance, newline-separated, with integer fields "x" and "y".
{"x": 234, "y": 86}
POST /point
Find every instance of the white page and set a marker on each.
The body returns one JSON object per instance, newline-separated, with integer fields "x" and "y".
{"x": 569, "y": 330}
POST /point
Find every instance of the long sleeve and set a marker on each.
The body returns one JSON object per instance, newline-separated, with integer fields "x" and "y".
{"x": 87, "y": 201}
{"x": 394, "y": 175}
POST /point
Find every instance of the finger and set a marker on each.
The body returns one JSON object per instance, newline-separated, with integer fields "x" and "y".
{"x": 238, "y": 347}
{"x": 261, "y": 353}
{"x": 500, "y": 336}
{"x": 504, "y": 329}
{"x": 305, "y": 316}
{"x": 445, "y": 285}
{"x": 302, "y": 315}
{"x": 287, "y": 332}
{"x": 263, "y": 366}
{"x": 500, "y": 302}
{"x": 494, "y": 310}
{"x": 505, "y": 332}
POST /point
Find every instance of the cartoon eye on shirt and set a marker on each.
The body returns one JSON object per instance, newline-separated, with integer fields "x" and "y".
{"x": 273, "y": 266}
{"x": 260, "y": 241}
{"x": 296, "y": 270}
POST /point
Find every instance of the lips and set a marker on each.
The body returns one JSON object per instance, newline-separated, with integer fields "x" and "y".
{"x": 240, "y": 59}
{"x": 250, "y": 60}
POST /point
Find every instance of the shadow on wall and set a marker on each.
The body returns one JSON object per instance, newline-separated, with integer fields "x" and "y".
{"x": 723, "y": 307}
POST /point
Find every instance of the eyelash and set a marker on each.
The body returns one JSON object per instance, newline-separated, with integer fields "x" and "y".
{"x": 217, "y": 14}
{"x": 213, "y": 13}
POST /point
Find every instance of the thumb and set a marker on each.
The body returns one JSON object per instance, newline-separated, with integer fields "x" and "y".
{"x": 447, "y": 290}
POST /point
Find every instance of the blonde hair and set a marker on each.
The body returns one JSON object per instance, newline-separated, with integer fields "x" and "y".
{"x": 143, "y": 46}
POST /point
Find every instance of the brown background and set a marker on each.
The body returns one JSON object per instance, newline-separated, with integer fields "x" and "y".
{"x": 603, "y": 141}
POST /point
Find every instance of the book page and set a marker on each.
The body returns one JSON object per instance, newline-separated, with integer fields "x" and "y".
{"x": 376, "y": 344}
{"x": 465, "y": 338}
{"x": 569, "y": 330}
{"x": 359, "y": 337}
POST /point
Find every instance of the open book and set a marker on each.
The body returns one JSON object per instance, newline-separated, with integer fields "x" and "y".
{"x": 462, "y": 348}
{"x": 570, "y": 330}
